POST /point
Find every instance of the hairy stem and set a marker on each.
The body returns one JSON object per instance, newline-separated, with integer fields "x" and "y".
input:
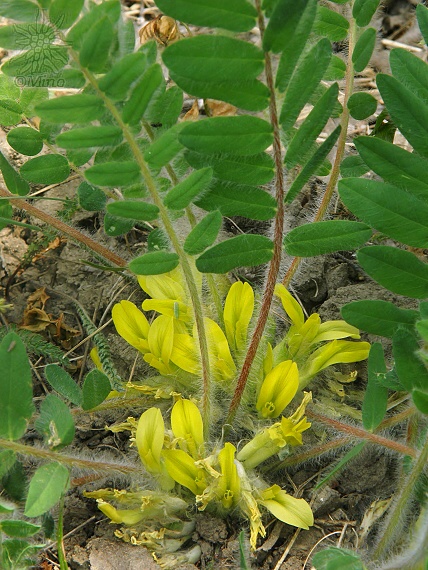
{"x": 363, "y": 434}
{"x": 67, "y": 230}
{"x": 278, "y": 231}
{"x": 400, "y": 504}
{"x": 68, "y": 460}
{"x": 344, "y": 121}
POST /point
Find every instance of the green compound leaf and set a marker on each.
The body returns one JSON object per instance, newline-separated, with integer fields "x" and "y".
{"x": 96, "y": 45}
{"x": 239, "y": 136}
{"x": 96, "y": 388}
{"x": 362, "y": 105}
{"x": 233, "y": 15}
{"x": 16, "y": 402}
{"x": 48, "y": 169}
{"x": 10, "y": 112}
{"x": 381, "y": 318}
{"x": 117, "y": 82}
{"x": 363, "y": 11}
{"x": 397, "y": 270}
{"x": 164, "y": 148}
{"x": 25, "y": 140}
{"x": 213, "y": 66}
{"x": 395, "y": 165}
{"x": 311, "y": 127}
{"x": 203, "y": 234}
{"x": 133, "y": 210}
{"x": 411, "y": 71}
{"x": 21, "y": 36}
{"x": 319, "y": 238}
{"x": 406, "y": 110}
{"x": 331, "y": 24}
{"x": 154, "y": 263}
{"x": 252, "y": 170}
{"x": 239, "y": 251}
{"x": 388, "y": 209}
{"x": 311, "y": 166}
{"x": 14, "y": 181}
{"x": 142, "y": 95}
{"x": 363, "y": 49}
{"x": 63, "y": 13}
{"x": 55, "y": 422}
{"x": 79, "y": 108}
{"x": 49, "y": 482}
{"x": 45, "y": 61}
{"x": 91, "y": 198}
{"x": 295, "y": 40}
{"x": 411, "y": 370}
{"x": 422, "y": 16}
{"x": 376, "y": 396}
{"x": 20, "y": 10}
{"x": 19, "y": 529}
{"x": 89, "y": 137}
{"x": 186, "y": 191}
{"x": 238, "y": 200}
{"x": 63, "y": 383}
{"x": 304, "y": 82}
{"x": 114, "y": 173}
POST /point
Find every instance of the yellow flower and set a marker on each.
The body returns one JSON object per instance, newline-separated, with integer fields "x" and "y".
{"x": 149, "y": 439}
{"x": 131, "y": 324}
{"x": 123, "y": 516}
{"x": 336, "y": 351}
{"x": 278, "y": 389}
{"x": 288, "y": 509}
{"x": 221, "y": 361}
{"x": 183, "y": 469}
{"x": 187, "y": 426}
{"x": 160, "y": 342}
{"x": 228, "y": 487}
{"x": 238, "y": 310}
{"x": 270, "y": 440}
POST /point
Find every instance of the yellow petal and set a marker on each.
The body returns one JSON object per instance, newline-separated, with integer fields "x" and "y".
{"x": 131, "y": 324}
{"x": 149, "y": 439}
{"x": 334, "y": 352}
{"x": 291, "y": 306}
{"x": 238, "y": 310}
{"x": 181, "y": 467}
{"x": 186, "y": 424}
{"x": 229, "y": 486}
{"x": 288, "y": 509}
{"x": 278, "y": 389}
{"x": 122, "y": 516}
{"x": 185, "y": 353}
{"x": 169, "y": 307}
{"x": 161, "y": 338}
{"x": 165, "y": 286}
{"x": 331, "y": 330}
{"x": 221, "y": 360}
{"x": 300, "y": 341}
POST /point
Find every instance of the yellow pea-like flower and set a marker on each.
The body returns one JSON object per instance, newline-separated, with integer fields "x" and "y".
{"x": 149, "y": 439}
{"x": 187, "y": 426}
{"x": 288, "y": 509}
{"x": 229, "y": 487}
{"x": 183, "y": 469}
{"x": 291, "y": 306}
{"x": 278, "y": 389}
{"x": 131, "y": 324}
{"x": 238, "y": 310}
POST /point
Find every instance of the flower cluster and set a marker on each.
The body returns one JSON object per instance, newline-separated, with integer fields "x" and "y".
{"x": 221, "y": 481}
{"x": 169, "y": 344}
